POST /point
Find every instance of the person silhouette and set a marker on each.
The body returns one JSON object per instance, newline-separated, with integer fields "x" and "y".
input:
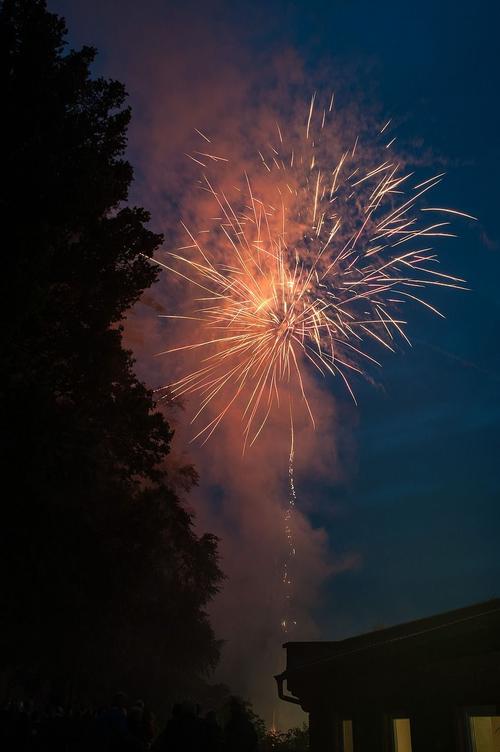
{"x": 240, "y": 734}
{"x": 113, "y": 734}
{"x": 183, "y": 732}
{"x": 212, "y": 733}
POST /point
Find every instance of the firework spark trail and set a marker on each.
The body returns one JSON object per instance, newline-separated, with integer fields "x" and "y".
{"x": 311, "y": 278}
{"x": 289, "y": 621}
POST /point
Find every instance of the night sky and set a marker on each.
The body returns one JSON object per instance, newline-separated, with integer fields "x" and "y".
{"x": 419, "y": 500}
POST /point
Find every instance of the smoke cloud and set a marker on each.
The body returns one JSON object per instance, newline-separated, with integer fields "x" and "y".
{"x": 185, "y": 72}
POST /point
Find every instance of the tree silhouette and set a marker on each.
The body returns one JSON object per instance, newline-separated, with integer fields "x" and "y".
{"x": 293, "y": 740}
{"x": 104, "y": 582}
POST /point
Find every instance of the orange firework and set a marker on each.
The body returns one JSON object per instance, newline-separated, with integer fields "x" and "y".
{"x": 309, "y": 283}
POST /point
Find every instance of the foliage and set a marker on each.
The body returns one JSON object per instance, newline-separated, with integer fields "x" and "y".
{"x": 104, "y": 581}
{"x": 293, "y": 740}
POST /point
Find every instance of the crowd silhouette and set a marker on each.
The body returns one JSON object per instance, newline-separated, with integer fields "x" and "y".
{"x": 124, "y": 727}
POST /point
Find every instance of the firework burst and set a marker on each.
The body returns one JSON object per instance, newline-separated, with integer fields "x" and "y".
{"x": 310, "y": 279}
{"x": 312, "y": 271}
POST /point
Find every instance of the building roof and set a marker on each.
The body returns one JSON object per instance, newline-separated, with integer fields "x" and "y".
{"x": 305, "y": 656}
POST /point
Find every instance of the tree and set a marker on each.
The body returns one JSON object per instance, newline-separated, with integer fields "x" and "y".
{"x": 103, "y": 578}
{"x": 268, "y": 740}
{"x": 293, "y": 740}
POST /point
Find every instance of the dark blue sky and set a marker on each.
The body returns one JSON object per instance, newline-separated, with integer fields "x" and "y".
{"x": 422, "y": 506}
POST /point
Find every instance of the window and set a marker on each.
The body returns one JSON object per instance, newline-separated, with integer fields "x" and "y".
{"x": 347, "y": 743}
{"x": 484, "y": 733}
{"x": 401, "y": 730}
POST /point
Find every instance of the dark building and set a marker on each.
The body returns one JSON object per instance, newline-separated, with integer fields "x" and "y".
{"x": 425, "y": 686}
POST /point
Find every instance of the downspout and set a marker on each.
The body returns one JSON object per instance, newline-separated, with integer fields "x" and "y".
{"x": 280, "y": 679}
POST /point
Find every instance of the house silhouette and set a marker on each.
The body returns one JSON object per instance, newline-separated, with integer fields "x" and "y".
{"x": 430, "y": 685}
